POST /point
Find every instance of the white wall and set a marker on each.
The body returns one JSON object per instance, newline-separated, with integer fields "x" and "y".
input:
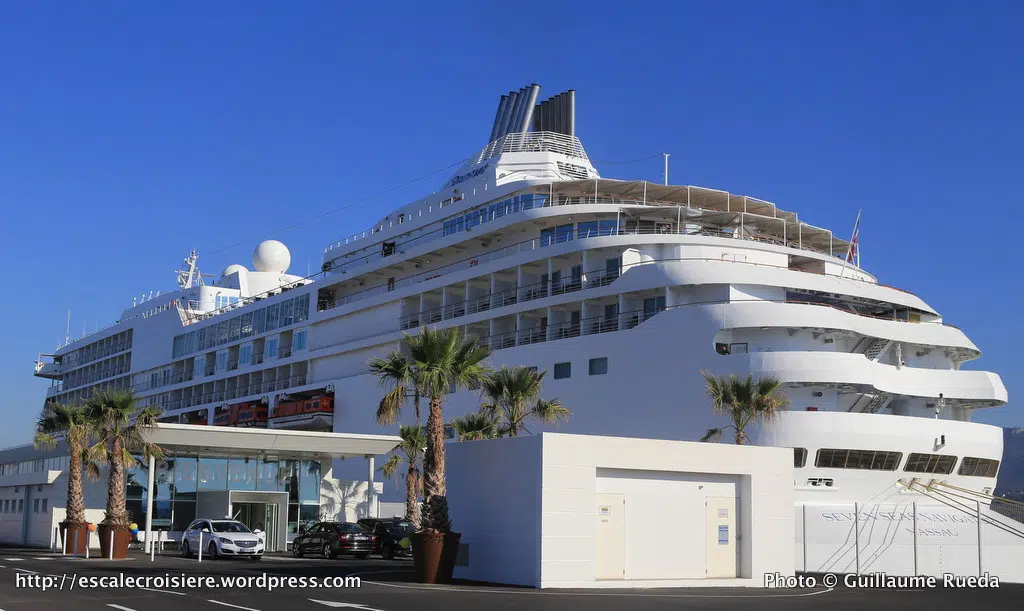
{"x": 494, "y": 490}
{"x": 497, "y": 487}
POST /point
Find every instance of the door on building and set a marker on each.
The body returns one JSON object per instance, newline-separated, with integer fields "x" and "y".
{"x": 270, "y": 530}
{"x": 611, "y": 536}
{"x": 721, "y": 537}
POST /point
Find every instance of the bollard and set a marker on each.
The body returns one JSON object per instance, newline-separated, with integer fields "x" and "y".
{"x": 88, "y": 543}
{"x": 200, "y": 546}
{"x": 152, "y": 552}
{"x": 110, "y": 550}
{"x": 74, "y": 549}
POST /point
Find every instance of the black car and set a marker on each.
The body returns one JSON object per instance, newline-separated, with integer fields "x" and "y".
{"x": 394, "y": 536}
{"x": 332, "y": 539}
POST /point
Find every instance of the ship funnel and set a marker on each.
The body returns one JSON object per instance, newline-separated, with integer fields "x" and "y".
{"x": 497, "y": 118}
{"x": 531, "y": 101}
{"x": 506, "y": 116}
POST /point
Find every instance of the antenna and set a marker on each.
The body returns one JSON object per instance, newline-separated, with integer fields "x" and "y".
{"x": 190, "y": 276}
{"x": 67, "y": 330}
{"x": 666, "y": 168}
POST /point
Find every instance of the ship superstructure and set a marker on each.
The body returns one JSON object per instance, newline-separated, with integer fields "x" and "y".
{"x": 624, "y": 291}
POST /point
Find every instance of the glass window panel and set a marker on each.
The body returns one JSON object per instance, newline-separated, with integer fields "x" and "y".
{"x": 213, "y": 473}
{"x": 287, "y": 314}
{"x": 242, "y": 473}
{"x": 222, "y": 332}
{"x": 234, "y": 328}
{"x": 607, "y": 227}
{"x": 268, "y": 477}
{"x": 288, "y": 476}
{"x": 563, "y": 370}
{"x": 273, "y": 316}
{"x": 309, "y": 515}
{"x": 185, "y": 478}
{"x": 184, "y": 514}
{"x": 246, "y": 325}
{"x": 309, "y": 482}
{"x": 588, "y": 229}
{"x": 599, "y": 366}
{"x": 260, "y": 320}
{"x": 302, "y": 308}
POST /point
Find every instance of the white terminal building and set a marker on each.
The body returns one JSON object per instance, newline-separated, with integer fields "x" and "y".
{"x": 623, "y": 291}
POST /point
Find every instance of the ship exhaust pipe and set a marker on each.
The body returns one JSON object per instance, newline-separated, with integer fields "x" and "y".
{"x": 497, "y": 118}
{"x": 571, "y": 112}
{"x": 506, "y": 116}
{"x": 528, "y": 106}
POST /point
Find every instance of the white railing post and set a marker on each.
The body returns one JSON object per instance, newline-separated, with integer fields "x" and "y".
{"x": 856, "y": 535}
{"x": 803, "y": 529}
{"x": 110, "y": 550}
{"x": 200, "y": 546}
{"x": 88, "y": 543}
{"x": 978, "y": 504}
{"x": 916, "y": 571}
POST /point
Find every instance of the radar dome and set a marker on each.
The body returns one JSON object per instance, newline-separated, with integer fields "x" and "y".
{"x": 271, "y": 256}
{"x": 232, "y": 269}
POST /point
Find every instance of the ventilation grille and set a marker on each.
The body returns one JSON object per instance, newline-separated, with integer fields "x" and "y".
{"x": 573, "y": 171}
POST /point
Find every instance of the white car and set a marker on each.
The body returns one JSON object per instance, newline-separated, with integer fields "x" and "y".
{"x": 221, "y": 538}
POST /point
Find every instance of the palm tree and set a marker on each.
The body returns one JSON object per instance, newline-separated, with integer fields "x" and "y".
{"x": 474, "y": 426}
{"x": 122, "y": 428}
{"x": 71, "y": 423}
{"x": 513, "y": 397}
{"x": 744, "y": 401}
{"x": 438, "y": 363}
{"x": 397, "y": 372}
{"x": 409, "y": 451}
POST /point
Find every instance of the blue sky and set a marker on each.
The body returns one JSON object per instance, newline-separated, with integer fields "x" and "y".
{"x": 131, "y": 132}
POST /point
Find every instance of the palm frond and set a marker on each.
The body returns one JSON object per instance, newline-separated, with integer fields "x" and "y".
{"x": 713, "y": 434}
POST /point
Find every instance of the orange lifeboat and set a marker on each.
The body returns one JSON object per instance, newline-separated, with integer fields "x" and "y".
{"x": 316, "y": 413}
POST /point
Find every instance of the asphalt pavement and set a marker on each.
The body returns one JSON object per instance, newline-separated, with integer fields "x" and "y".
{"x": 35, "y": 580}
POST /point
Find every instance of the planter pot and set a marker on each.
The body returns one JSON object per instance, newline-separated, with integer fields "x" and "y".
{"x": 74, "y": 538}
{"x": 122, "y": 537}
{"x": 433, "y": 556}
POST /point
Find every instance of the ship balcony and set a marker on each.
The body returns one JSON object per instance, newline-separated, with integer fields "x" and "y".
{"x": 855, "y": 371}
{"x": 49, "y": 369}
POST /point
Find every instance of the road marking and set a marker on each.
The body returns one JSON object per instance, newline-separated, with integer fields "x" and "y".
{"x": 596, "y": 592}
{"x": 217, "y": 602}
{"x": 43, "y": 558}
{"x": 120, "y": 607}
{"x": 13, "y": 559}
{"x": 27, "y": 571}
{"x": 163, "y": 591}
{"x": 332, "y": 603}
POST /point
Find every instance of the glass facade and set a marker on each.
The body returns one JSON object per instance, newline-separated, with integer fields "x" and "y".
{"x": 179, "y": 480}
{"x": 279, "y": 315}
{"x": 486, "y": 214}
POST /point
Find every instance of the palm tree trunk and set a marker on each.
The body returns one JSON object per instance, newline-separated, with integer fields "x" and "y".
{"x": 76, "y": 504}
{"x": 115, "y": 485}
{"x": 412, "y": 505}
{"x": 740, "y": 436}
{"x": 433, "y": 458}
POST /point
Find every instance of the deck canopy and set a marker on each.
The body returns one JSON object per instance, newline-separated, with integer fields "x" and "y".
{"x": 202, "y": 440}
{"x": 712, "y": 209}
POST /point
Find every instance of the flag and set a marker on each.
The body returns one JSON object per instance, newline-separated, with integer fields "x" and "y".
{"x": 851, "y": 254}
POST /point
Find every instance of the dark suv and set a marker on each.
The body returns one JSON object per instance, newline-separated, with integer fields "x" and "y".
{"x": 393, "y": 536}
{"x": 332, "y": 539}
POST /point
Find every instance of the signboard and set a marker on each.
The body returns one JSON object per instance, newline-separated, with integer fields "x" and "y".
{"x": 723, "y": 534}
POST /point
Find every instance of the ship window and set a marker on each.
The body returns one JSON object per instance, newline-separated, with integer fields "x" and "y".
{"x": 598, "y": 366}
{"x": 799, "y": 457}
{"x": 588, "y": 229}
{"x": 978, "y": 467}
{"x": 737, "y": 348}
{"x": 563, "y": 370}
{"x": 930, "y": 463}
{"x": 273, "y": 317}
{"x": 222, "y": 332}
{"x": 234, "y": 328}
{"x": 270, "y": 348}
{"x": 547, "y": 236}
{"x": 876, "y": 460}
{"x": 299, "y": 340}
{"x": 721, "y": 348}
{"x": 301, "y": 308}
{"x": 287, "y": 313}
{"x": 260, "y": 320}
{"x": 563, "y": 233}
{"x": 245, "y": 355}
{"x": 246, "y": 324}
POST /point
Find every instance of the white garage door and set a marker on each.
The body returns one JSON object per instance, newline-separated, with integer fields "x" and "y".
{"x": 669, "y": 523}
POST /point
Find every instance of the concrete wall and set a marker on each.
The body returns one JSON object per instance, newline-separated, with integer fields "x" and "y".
{"x": 527, "y": 507}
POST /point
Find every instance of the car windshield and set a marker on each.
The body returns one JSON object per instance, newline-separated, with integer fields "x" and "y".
{"x": 229, "y": 527}
{"x": 350, "y": 528}
{"x": 401, "y": 528}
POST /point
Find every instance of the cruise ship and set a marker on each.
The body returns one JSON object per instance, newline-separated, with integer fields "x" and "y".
{"x": 622, "y": 290}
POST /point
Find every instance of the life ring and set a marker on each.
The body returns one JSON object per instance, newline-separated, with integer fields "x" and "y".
{"x": 474, "y": 262}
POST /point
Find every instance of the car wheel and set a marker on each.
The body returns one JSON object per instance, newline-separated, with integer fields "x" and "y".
{"x": 212, "y": 552}
{"x": 185, "y": 551}
{"x": 329, "y": 552}
{"x": 296, "y": 550}
{"x": 363, "y": 555}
